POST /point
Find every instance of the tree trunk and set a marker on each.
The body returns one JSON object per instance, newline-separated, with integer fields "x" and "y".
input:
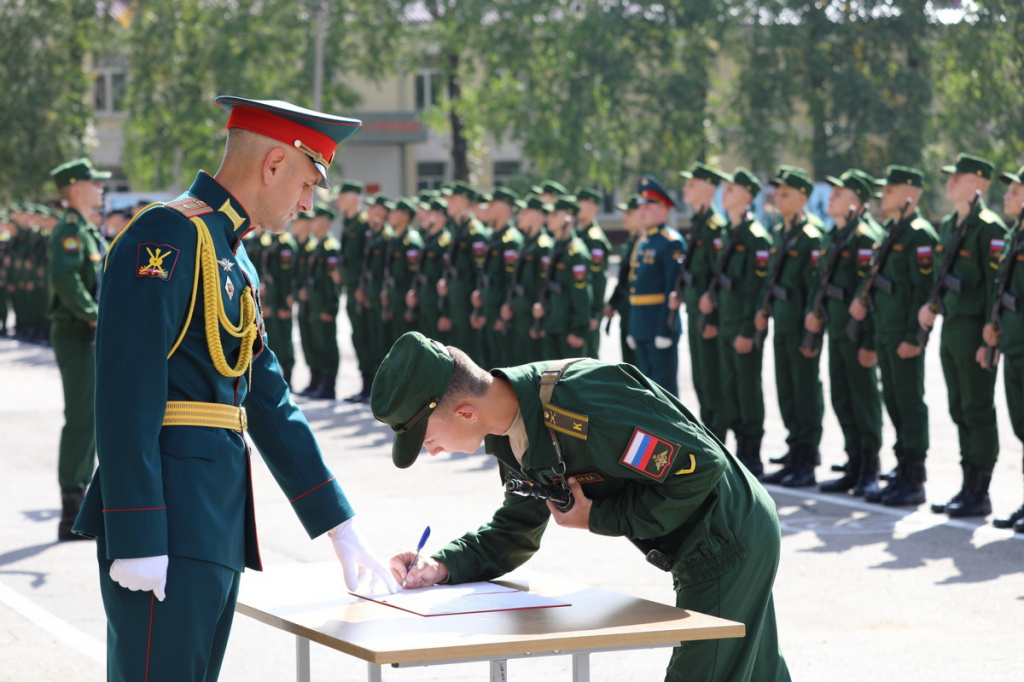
{"x": 460, "y": 163}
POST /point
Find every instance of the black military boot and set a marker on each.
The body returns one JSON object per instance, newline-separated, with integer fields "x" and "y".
{"x": 325, "y": 391}
{"x": 787, "y": 461}
{"x": 748, "y": 451}
{"x": 892, "y": 480}
{"x": 802, "y": 474}
{"x": 1012, "y": 521}
{"x": 314, "y": 383}
{"x": 848, "y": 480}
{"x": 70, "y": 504}
{"x": 976, "y": 501}
{"x": 867, "y": 480}
{"x": 909, "y": 486}
{"x": 781, "y": 459}
{"x": 939, "y": 507}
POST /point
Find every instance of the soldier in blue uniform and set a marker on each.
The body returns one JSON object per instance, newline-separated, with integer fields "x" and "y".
{"x": 652, "y": 279}
{"x": 171, "y": 505}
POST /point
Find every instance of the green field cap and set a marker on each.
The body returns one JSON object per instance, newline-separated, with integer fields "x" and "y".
{"x": 589, "y": 194}
{"x": 972, "y": 165}
{"x": 857, "y": 180}
{"x": 350, "y": 186}
{"x": 549, "y": 187}
{"x": 631, "y": 203}
{"x": 439, "y": 204}
{"x": 73, "y": 171}
{"x": 536, "y": 203}
{"x": 1013, "y": 177}
{"x": 407, "y": 388}
{"x": 702, "y": 171}
{"x": 567, "y": 202}
{"x": 505, "y": 194}
{"x": 407, "y": 205}
{"x": 901, "y": 175}
{"x": 750, "y": 182}
{"x": 459, "y": 187}
{"x": 795, "y": 177}
{"x": 323, "y": 209}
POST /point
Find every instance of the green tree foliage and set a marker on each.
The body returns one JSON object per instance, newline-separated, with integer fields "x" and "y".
{"x": 45, "y": 107}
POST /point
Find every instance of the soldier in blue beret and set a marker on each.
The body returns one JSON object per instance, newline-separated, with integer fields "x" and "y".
{"x": 638, "y": 465}
{"x": 659, "y": 257}
{"x": 76, "y": 249}
{"x": 183, "y": 370}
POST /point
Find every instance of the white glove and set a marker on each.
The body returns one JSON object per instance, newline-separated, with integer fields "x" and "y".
{"x": 631, "y": 342}
{"x": 662, "y": 342}
{"x": 144, "y": 573}
{"x": 363, "y": 573}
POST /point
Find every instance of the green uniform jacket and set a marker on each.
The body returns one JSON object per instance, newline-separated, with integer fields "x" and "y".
{"x": 354, "y": 233}
{"x": 569, "y": 297}
{"x": 323, "y": 269}
{"x": 652, "y": 470}
{"x": 910, "y": 267}
{"x": 254, "y": 248}
{"x": 186, "y": 490}
{"x": 465, "y": 258}
{"x": 856, "y": 248}
{"x": 76, "y": 253}
{"x": 703, "y": 244}
{"x": 1012, "y": 266}
{"x": 535, "y": 260}
{"x": 279, "y": 259}
{"x": 499, "y": 269}
{"x": 802, "y": 246}
{"x": 746, "y": 272}
{"x": 300, "y": 273}
{"x": 435, "y": 253}
{"x": 600, "y": 248}
{"x": 402, "y": 266}
{"x": 977, "y": 264}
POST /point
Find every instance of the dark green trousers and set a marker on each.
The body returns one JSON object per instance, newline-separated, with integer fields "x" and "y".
{"x": 704, "y": 368}
{"x": 742, "y": 393}
{"x": 594, "y": 340}
{"x": 181, "y": 639}
{"x": 306, "y": 335}
{"x": 359, "y": 331}
{"x": 628, "y": 354}
{"x": 556, "y": 347}
{"x": 324, "y": 342}
{"x": 378, "y": 332}
{"x": 279, "y": 337}
{"x": 798, "y": 386}
{"x": 971, "y": 390}
{"x": 903, "y": 394}
{"x": 1013, "y": 380}
{"x": 856, "y": 399}
{"x": 76, "y": 359}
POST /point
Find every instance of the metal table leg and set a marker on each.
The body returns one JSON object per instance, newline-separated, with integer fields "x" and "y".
{"x": 499, "y": 670}
{"x": 374, "y": 672}
{"x": 301, "y": 658}
{"x": 581, "y": 667}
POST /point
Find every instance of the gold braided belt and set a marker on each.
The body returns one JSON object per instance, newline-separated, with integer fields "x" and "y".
{"x": 188, "y": 413}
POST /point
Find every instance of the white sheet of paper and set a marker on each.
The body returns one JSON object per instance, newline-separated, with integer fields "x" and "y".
{"x": 446, "y": 600}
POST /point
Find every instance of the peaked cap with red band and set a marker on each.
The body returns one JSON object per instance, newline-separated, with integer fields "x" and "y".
{"x": 651, "y": 190}
{"x": 315, "y": 134}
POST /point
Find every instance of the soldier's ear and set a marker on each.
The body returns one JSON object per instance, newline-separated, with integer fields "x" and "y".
{"x": 273, "y": 165}
{"x": 467, "y": 414}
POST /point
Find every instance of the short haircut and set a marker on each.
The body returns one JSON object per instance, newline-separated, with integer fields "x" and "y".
{"x": 468, "y": 380}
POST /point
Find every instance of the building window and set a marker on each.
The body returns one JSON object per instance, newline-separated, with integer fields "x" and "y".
{"x": 110, "y": 85}
{"x": 429, "y": 88}
{"x": 506, "y": 171}
{"x": 430, "y": 175}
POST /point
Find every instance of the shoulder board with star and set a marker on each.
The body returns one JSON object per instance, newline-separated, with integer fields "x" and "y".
{"x": 920, "y": 224}
{"x": 989, "y": 216}
{"x": 311, "y": 245}
{"x": 544, "y": 241}
{"x": 364, "y": 217}
{"x": 670, "y": 234}
{"x": 266, "y": 239}
{"x": 573, "y": 248}
{"x": 564, "y": 421}
{"x": 190, "y": 207}
{"x": 71, "y": 217}
{"x": 716, "y": 221}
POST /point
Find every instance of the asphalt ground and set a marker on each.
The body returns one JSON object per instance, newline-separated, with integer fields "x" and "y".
{"x": 863, "y": 592}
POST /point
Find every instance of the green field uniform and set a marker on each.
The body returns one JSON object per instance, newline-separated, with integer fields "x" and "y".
{"x": 432, "y": 268}
{"x": 971, "y": 388}
{"x": 740, "y": 373}
{"x": 703, "y": 244}
{"x": 465, "y": 258}
{"x": 855, "y": 397}
{"x": 254, "y": 245}
{"x": 496, "y": 275}
{"x": 355, "y": 232}
{"x": 323, "y": 286}
{"x": 76, "y": 252}
{"x": 304, "y": 248}
{"x": 402, "y": 265}
{"x": 278, "y": 255}
{"x": 378, "y": 330}
{"x": 529, "y": 280}
{"x": 1011, "y": 342}
{"x": 15, "y": 284}
{"x": 600, "y": 249}
{"x": 798, "y": 384}
{"x": 569, "y": 298}
{"x": 619, "y": 298}
{"x": 5, "y": 269}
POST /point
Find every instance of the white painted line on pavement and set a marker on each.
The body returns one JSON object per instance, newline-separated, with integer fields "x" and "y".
{"x": 918, "y": 519}
{"x": 61, "y": 630}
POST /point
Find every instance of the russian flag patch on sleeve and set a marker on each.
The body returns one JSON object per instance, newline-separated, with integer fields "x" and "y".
{"x": 650, "y": 455}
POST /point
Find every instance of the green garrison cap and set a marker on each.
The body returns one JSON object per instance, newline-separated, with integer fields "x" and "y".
{"x": 972, "y": 165}
{"x": 651, "y": 190}
{"x": 795, "y": 177}
{"x": 567, "y": 202}
{"x": 589, "y": 194}
{"x": 350, "y": 186}
{"x": 1013, "y": 177}
{"x": 505, "y": 194}
{"x": 321, "y": 208}
{"x": 704, "y": 172}
{"x": 315, "y": 134}
{"x": 857, "y": 180}
{"x": 901, "y": 175}
{"x": 409, "y": 384}
{"x": 632, "y": 202}
{"x": 407, "y": 205}
{"x": 80, "y": 169}
{"x": 746, "y": 179}
{"x": 439, "y": 204}
{"x": 549, "y": 187}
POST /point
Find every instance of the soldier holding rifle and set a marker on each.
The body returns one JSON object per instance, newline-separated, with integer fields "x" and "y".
{"x": 973, "y": 238}
{"x": 421, "y": 300}
{"x": 528, "y": 280}
{"x": 563, "y": 309}
{"x": 900, "y": 278}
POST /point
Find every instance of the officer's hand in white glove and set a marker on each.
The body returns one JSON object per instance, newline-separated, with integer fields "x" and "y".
{"x": 662, "y": 342}
{"x": 631, "y": 342}
{"x": 144, "y": 573}
{"x": 363, "y": 573}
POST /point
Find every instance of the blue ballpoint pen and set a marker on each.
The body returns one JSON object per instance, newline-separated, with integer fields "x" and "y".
{"x": 416, "y": 557}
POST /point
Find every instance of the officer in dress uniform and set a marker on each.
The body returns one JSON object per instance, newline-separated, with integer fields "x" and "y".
{"x": 76, "y": 250}
{"x": 703, "y": 244}
{"x": 402, "y": 264}
{"x": 729, "y": 304}
{"x": 853, "y": 377}
{"x": 563, "y": 309}
{"x": 354, "y": 232}
{"x": 421, "y": 300}
{"x": 278, "y": 296}
{"x": 906, "y": 273}
{"x": 171, "y": 503}
{"x": 497, "y": 274}
{"x": 797, "y": 242}
{"x": 600, "y": 249}
{"x": 528, "y": 281}
{"x": 323, "y": 289}
{"x": 618, "y": 301}
{"x": 637, "y": 463}
{"x": 966, "y": 302}
{"x": 1006, "y": 331}
{"x": 652, "y": 279}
